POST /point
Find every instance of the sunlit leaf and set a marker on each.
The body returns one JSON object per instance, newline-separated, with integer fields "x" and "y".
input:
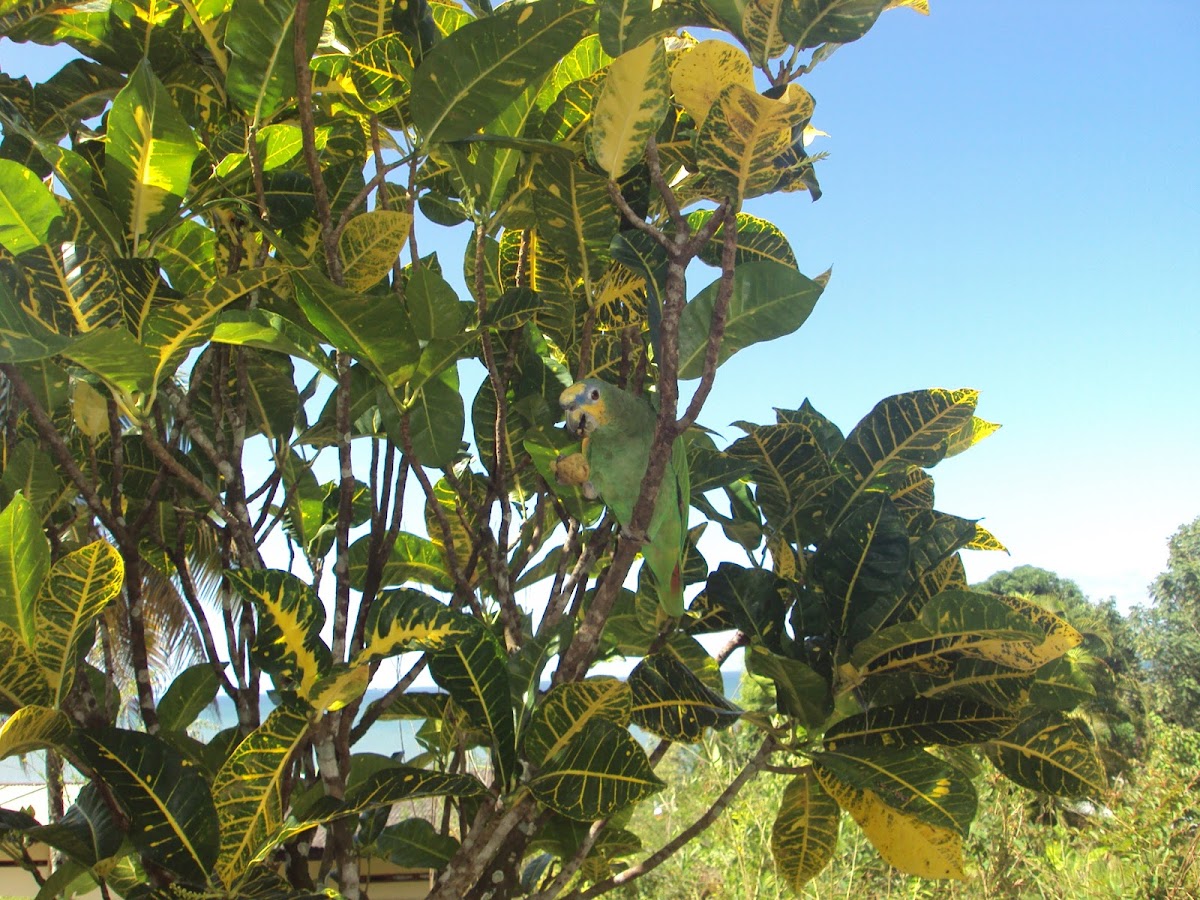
{"x": 24, "y": 562}
{"x": 261, "y": 37}
{"x": 34, "y": 728}
{"x": 28, "y": 210}
{"x": 370, "y": 245}
{"x": 406, "y": 619}
{"x": 630, "y": 107}
{"x": 567, "y": 708}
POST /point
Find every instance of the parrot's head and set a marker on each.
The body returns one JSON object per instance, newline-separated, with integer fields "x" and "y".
{"x": 585, "y": 406}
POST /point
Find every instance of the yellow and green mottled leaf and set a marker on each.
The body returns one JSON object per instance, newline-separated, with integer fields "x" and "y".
{"x": 342, "y": 686}
{"x": 1061, "y": 635}
{"x": 974, "y": 431}
{"x": 761, "y": 24}
{"x": 383, "y": 72}
{"x": 566, "y": 710}
{"x": 911, "y": 780}
{"x": 68, "y": 289}
{"x": 148, "y": 156}
{"x": 671, "y": 701}
{"x": 248, "y": 790}
{"x": 171, "y": 331}
{"x": 289, "y": 642}
{"x": 598, "y": 773}
{"x": 370, "y": 245}
{"x": 744, "y": 135}
{"x": 805, "y": 832}
{"x": 77, "y": 589}
{"x": 952, "y": 626}
{"x": 406, "y": 619}
{"x": 701, "y": 72}
{"x": 576, "y": 220}
{"x": 34, "y": 728}
{"x": 757, "y": 241}
{"x": 413, "y": 559}
{"x": 911, "y": 845}
{"x": 21, "y": 680}
{"x": 1052, "y": 753}
{"x": 630, "y": 107}
{"x": 173, "y": 822}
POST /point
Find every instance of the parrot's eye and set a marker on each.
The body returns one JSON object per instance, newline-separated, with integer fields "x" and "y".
{"x": 595, "y": 394}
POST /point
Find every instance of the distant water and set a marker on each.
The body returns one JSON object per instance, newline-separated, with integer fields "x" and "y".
{"x": 384, "y": 737}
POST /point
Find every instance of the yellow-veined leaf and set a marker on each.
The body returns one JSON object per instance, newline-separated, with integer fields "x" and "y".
{"x": 24, "y": 562}
{"x": 173, "y": 822}
{"x": 248, "y": 790}
{"x": 805, "y": 833}
{"x": 370, "y": 244}
{"x": 599, "y": 772}
{"x": 77, "y": 589}
{"x": 567, "y": 708}
{"x": 1052, "y": 753}
{"x": 671, "y": 702}
{"x": 22, "y": 682}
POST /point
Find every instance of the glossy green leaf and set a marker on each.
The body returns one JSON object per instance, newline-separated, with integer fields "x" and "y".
{"x": 948, "y": 721}
{"x": 755, "y": 599}
{"x": 576, "y": 219}
{"x": 24, "y": 563}
{"x": 863, "y": 561}
{"x": 601, "y": 771}
{"x": 769, "y": 300}
{"x": 800, "y": 691}
{"x": 808, "y": 23}
{"x": 193, "y": 689}
{"x": 28, "y": 210}
{"x": 805, "y": 832}
{"x": 77, "y": 589}
{"x": 76, "y": 175}
{"x": 87, "y": 833}
{"x": 437, "y": 419}
{"x": 370, "y": 245}
{"x": 173, "y": 822}
{"x": 149, "y": 155}
{"x": 359, "y": 325}
{"x": 630, "y": 107}
{"x": 1051, "y": 753}
{"x": 565, "y": 711}
{"x": 433, "y": 306}
{"x": 270, "y": 331}
{"x": 413, "y": 559}
{"x": 34, "y": 728}
{"x": 473, "y": 670}
{"x": 394, "y": 783}
{"x": 261, "y": 37}
{"x": 248, "y": 790}
{"x": 671, "y": 702}
{"x": 416, "y": 844}
{"x": 472, "y": 75}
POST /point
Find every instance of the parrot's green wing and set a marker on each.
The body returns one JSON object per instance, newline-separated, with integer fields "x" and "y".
{"x": 618, "y": 452}
{"x": 667, "y": 543}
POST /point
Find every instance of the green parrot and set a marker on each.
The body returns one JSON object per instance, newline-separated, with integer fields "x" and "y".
{"x": 617, "y": 430}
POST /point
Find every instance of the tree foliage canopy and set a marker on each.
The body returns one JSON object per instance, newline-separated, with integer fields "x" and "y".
{"x": 224, "y": 329}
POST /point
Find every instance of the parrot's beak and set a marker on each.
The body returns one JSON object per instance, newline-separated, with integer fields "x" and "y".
{"x": 570, "y": 400}
{"x": 579, "y": 424}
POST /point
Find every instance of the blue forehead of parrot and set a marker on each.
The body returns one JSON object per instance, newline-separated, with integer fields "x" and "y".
{"x": 579, "y": 393}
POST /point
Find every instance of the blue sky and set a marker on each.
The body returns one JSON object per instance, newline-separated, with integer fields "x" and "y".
{"x": 1012, "y": 203}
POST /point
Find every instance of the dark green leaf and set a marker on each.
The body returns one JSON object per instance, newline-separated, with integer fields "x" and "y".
{"x": 192, "y": 690}
{"x": 670, "y": 701}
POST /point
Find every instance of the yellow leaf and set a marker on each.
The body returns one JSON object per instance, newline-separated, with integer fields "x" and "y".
{"x": 912, "y": 846}
{"x": 704, "y": 71}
